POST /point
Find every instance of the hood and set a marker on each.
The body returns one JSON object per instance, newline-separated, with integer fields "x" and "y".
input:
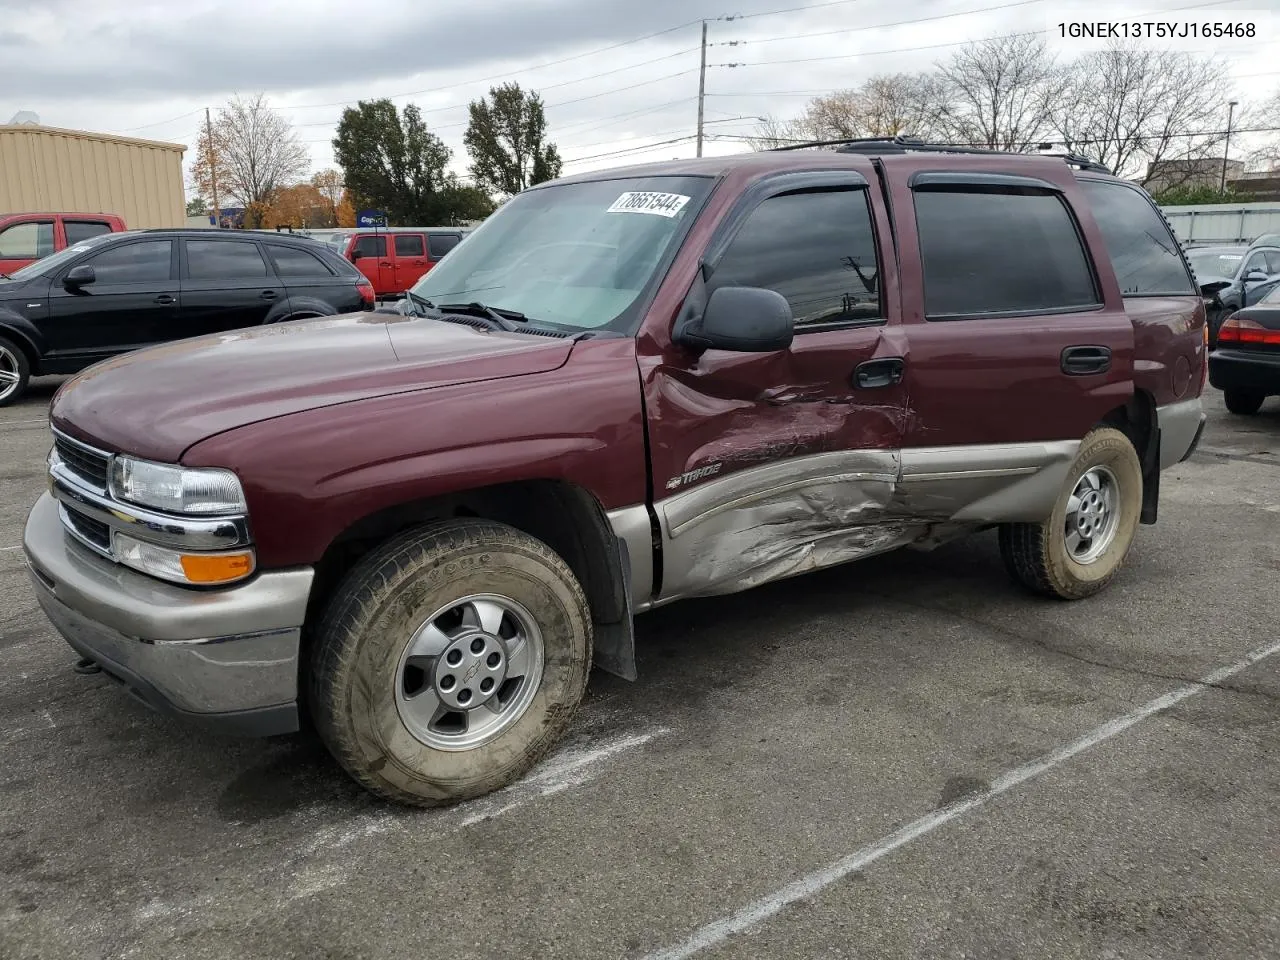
{"x": 158, "y": 401}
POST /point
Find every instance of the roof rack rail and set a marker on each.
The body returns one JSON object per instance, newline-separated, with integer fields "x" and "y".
{"x": 903, "y": 144}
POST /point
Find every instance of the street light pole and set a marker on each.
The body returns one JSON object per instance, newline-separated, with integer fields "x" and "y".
{"x": 702, "y": 84}
{"x": 1226, "y": 147}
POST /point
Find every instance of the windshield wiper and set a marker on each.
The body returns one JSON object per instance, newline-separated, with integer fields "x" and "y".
{"x": 504, "y": 319}
{"x": 413, "y": 298}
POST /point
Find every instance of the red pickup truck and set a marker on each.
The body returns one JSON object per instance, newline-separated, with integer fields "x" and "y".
{"x": 417, "y": 530}
{"x": 28, "y": 237}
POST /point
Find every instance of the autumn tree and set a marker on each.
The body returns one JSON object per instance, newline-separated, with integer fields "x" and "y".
{"x": 345, "y": 212}
{"x": 1001, "y": 93}
{"x": 1130, "y": 107}
{"x": 506, "y": 138}
{"x": 392, "y": 162}
{"x": 251, "y": 151}
{"x": 300, "y": 205}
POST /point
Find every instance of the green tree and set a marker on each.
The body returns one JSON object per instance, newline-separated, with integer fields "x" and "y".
{"x": 468, "y": 203}
{"x": 392, "y": 162}
{"x": 506, "y": 139}
{"x": 197, "y": 206}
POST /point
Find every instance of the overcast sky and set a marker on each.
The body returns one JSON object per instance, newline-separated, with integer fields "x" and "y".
{"x": 148, "y": 69}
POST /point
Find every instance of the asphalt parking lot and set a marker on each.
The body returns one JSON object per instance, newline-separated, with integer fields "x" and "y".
{"x": 857, "y": 763}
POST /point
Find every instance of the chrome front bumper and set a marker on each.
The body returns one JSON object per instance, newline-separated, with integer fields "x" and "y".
{"x": 227, "y": 657}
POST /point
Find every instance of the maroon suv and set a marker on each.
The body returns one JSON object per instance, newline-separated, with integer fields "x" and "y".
{"x": 415, "y": 530}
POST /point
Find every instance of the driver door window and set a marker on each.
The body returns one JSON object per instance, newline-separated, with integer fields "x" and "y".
{"x": 27, "y": 241}
{"x": 1256, "y": 262}
{"x": 816, "y": 248}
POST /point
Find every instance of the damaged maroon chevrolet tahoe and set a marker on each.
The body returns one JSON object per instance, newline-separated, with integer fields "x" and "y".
{"x": 417, "y": 530}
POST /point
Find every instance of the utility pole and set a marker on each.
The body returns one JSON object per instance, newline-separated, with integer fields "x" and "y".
{"x": 702, "y": 84}
{"x": 1231, "y": 109}
{"x": 213, "y": 169}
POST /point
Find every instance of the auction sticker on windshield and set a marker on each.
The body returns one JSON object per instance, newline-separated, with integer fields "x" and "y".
{"x": 663, "y": 204}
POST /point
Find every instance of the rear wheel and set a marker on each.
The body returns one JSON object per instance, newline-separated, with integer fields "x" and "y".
{"x": 1077, "y": 551}
{"x": 14, "y": 372}
{"x": 1242, "y": 401}
{"x": 449, "y": 661}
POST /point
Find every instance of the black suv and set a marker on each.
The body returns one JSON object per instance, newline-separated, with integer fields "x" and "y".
{"x": 120, "y": 291}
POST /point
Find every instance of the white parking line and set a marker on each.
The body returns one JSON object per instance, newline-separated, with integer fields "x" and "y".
{"x": 6, "y": 549}
{"x": 755, "y": 913}
{"x": 37, "y": 420}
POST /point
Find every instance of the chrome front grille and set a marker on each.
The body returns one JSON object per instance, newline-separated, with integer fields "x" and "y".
{"x": 87, "y": 463}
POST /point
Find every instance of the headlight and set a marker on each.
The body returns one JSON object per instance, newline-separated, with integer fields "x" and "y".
{"x": 181, "y": 490}
{"x": 208, "y": 569}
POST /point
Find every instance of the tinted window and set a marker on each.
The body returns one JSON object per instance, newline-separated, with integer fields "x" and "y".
{"x": 816, "y": 249}
{"x": 27, "y": 240}
{"x": 80, "y": 230}
{"x": 442, "y": 243}
{"x": 224, "y": 260}
{"x": 298, "y": 263}
{"x": 145, "y": 262}
{"x": 371, "y": 247}
{"x": 408, "y": 245}
{"x": 1143, "y": 251}
{"x": 987, "y": 252}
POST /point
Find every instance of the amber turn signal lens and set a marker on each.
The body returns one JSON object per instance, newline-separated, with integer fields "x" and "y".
{"x": 222, "y": 568}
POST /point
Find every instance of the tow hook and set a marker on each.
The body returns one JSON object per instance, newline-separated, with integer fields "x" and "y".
{"x": 86, "y": 666}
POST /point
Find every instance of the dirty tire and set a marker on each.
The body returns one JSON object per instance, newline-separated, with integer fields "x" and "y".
{"x": 355, "y": 659}
{"x": 13, "y": 364}
{"x": 1242, "y": 401}
{"x": 1036, "y": 554}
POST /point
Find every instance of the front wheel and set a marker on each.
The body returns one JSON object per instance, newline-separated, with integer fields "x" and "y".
{"x": 1242, "y": 401}
{"x": 1077, "y": 551}
{"x": 14, "y": 372}
{"x": 449, "y": 661}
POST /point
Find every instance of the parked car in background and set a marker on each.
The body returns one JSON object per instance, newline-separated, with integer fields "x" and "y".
{"x": 396, "y": 258}
{"x": 27, "y": 237}
{"x": 1239, "y": 275}
{"x": 120, "y": 291}
{"x": 418, "y": 530}
{"x": 1245, "y": 366}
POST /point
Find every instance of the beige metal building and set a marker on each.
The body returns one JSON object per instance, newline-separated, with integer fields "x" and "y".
{"x": 48, "y": 169}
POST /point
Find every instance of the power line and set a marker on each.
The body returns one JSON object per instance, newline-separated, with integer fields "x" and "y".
{"x": 161, "y": 123}
{"x": 878, "y": 26}
{"x": 636, "y": 149}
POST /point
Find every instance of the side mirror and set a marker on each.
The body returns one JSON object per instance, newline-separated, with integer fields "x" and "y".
{"x": 354, "y": 256}
{"x": 79, "y": 276}
{"x": 1255, "y": 276}
{"x": 1211, "y": 290}
{"x": 743, "y": 319}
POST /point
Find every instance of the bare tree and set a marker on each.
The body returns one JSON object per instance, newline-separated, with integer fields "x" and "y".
{"x": 254, "y": 151}
{"x": 1267, "y": 155}
{"x": 1139, "y": 110}
{"x": 910, "y": 104}
{"x": 1001, "y": 93}
{"x": 772, "y": 132}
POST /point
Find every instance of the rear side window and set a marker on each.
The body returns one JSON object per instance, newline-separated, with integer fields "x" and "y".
{"x": 224, "y": 260}
{"x": 815, "y": 248}
{"x": 442, "y": 243}
{"x": 992, "y": 251}
{"x": 27, "y": 241}
{"x": 1143, "y": 252}
{"x": 297, "y": 263}
{"x": 78, "y": 231}
{"x": 371, "y": 247}
{"x": 409, "y": 245}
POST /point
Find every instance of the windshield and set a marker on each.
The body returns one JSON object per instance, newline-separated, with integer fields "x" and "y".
{"x": 1215, "y": 264}
{"x": 575, "y": 255}
{"x": 55, "y": 260}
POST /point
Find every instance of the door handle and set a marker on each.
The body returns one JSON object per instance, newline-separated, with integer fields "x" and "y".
{"x": 1083, "y": 361}
{"x": 164, "y": 298}
{"x": 268, "y": 294}
{"x": 884, "y": 372}
{"x": 384, "y": 263}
